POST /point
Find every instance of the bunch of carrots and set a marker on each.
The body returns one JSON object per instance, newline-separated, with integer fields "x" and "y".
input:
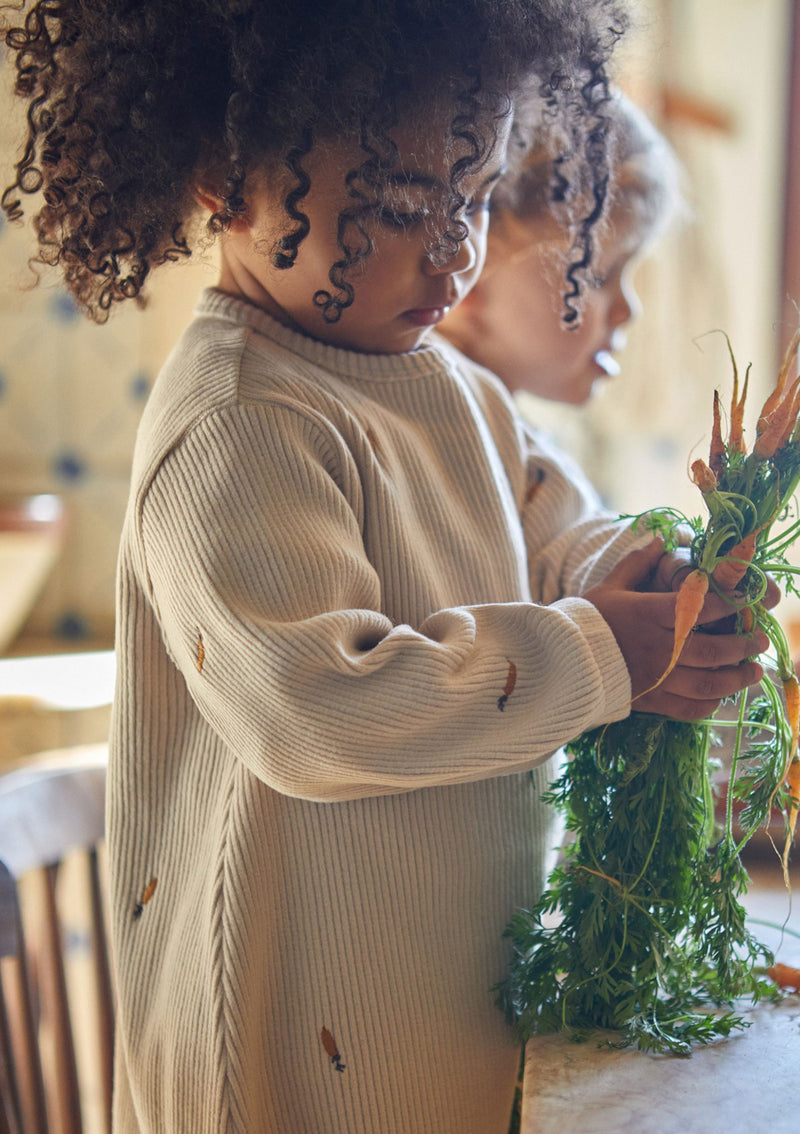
{"x": 744, "y": 494}
{"x": 640, "y": 928}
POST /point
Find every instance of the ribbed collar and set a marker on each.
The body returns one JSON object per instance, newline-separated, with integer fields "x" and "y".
{"x": 423, "y": 361}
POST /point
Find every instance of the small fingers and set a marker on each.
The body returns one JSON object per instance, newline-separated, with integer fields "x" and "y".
{"x": 713, "y": 684}
{"x": 711, "y": 651}
{"x": 692, "y": 694}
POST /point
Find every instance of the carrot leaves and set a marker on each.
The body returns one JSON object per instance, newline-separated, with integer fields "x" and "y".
{"x": 641, "y": 930}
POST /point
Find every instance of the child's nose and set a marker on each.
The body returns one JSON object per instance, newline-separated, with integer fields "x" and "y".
{"x": 446, "y": 261}
{"x": 626, "y": 305}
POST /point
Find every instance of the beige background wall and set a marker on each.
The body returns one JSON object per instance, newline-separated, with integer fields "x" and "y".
{"x": 719, "y": 269}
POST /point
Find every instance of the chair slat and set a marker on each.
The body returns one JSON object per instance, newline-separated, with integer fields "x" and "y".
{"x": 65, "y": 1093}
{"x": 19, "y": 1014}
{"x": 50, "y": 808}
{"x": 10, "y": 1111}
{"x": 105, "y": 997}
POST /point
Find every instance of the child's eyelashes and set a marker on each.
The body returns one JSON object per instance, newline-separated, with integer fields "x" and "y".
{"x": 475, "y": 207}
{"x": 402, "y": 221}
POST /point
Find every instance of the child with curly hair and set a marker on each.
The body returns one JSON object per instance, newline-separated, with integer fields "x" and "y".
{"x": 358, "y": 606}
{"x": 512, "y": 321}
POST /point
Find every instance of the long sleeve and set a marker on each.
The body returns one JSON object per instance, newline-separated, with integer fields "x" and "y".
{"x": 304, "y": 673}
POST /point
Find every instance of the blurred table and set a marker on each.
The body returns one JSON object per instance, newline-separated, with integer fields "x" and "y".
{"x": 31, "y": 532}
{"x": 54, "y": 701}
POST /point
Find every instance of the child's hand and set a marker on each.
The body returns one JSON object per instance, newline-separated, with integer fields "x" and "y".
{"x": 674, "y": 566}
{"x": 710, "y": 667}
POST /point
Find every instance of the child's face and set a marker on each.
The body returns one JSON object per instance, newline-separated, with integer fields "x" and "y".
{"x": 399, "y": 291}
{"x": 513, "y": 324}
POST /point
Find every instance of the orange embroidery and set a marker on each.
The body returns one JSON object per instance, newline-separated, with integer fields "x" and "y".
{"x": 147, "y": 894}
{"x": 534, "y": 487}
{"x": 332, "y": 1048}
{"x": 511, "y": 681}
{"x": 201, "y": 653}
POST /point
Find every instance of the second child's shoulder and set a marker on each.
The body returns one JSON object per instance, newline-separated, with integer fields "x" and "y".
{"x": 494, "y": 398}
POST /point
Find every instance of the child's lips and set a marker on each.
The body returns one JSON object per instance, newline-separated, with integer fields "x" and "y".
{"x": 607, "y": 363}
{"x": 427, "y": 316}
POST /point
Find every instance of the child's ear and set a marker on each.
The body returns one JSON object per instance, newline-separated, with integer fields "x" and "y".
{"x": 209, "y": 199}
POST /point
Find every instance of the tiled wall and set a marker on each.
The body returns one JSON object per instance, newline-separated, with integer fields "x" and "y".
{"x": 71, "y": 394}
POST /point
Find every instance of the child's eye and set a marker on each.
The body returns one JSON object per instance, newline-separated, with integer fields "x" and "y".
{"x": 393, "y": 218}
{"x": 475, "y": 207}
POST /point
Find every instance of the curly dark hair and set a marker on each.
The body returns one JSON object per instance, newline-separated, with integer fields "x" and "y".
{"x": 130, "y": 102}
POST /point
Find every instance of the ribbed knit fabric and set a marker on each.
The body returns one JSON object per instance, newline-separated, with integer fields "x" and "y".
{"x": 335, "y": 702}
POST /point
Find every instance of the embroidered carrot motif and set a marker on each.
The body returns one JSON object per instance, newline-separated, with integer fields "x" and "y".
{"x": 534, "y": 487}
{"x": 201, "y": 653}
{"x": 332, "y": 1048}
{"x": 147, "y": 894}
{"x": 508, "y": 689}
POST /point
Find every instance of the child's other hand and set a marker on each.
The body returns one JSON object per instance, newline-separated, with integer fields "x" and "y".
{"x": 674, "y": 566}
{"x": 710, "y": 667}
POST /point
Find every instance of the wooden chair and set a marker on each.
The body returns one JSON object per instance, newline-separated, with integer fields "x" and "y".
{"x": 56, "y": 1006}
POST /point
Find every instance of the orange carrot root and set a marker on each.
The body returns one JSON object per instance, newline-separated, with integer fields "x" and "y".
{"x": 716, "y": 456}
{"x": 730, "y": 571}
{"x": 793, "y": 782}
{"x": 778, "y": 423}
{"x": 785, "y": 976}
{"x": 736, "y": 437}
{"x": 704, "y": 477}
{"x": 791, "y": 691}
{"x": 776, "y": 396}
{"x": 688, "y": 604}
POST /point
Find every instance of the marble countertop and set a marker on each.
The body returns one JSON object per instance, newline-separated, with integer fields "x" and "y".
{"x": 744, "y": 1084}
{"x": 740, "y": 1085}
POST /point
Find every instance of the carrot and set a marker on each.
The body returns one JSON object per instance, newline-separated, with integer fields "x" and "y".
{"x": 731, "y": 569}
{"x": 736, "y": 435}
{"x": 332, "y": 1049}
{"x": 747, "y": 619}
{"x": 688, "y": 604}
{"x": 791, "y": 421}
{"x": 793, "y": 781}
{"x": 785, "y": 976}
{"x": 703, "y": 476}
{"x": 769, "y": 439}
{"x": 791, "y": 692}
{"x": 716, "y": 455}
{"x": 147, "y": 894}
{"x": 776, "y": 396}
{"x": 509, "y": 686}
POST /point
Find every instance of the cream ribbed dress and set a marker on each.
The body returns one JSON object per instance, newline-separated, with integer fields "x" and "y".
{"x": 334, "y": 704}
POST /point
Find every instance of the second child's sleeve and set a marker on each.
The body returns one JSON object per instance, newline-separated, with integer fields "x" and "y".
{"x": 252, "y": 550}
{"x": 572, "y": 540}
